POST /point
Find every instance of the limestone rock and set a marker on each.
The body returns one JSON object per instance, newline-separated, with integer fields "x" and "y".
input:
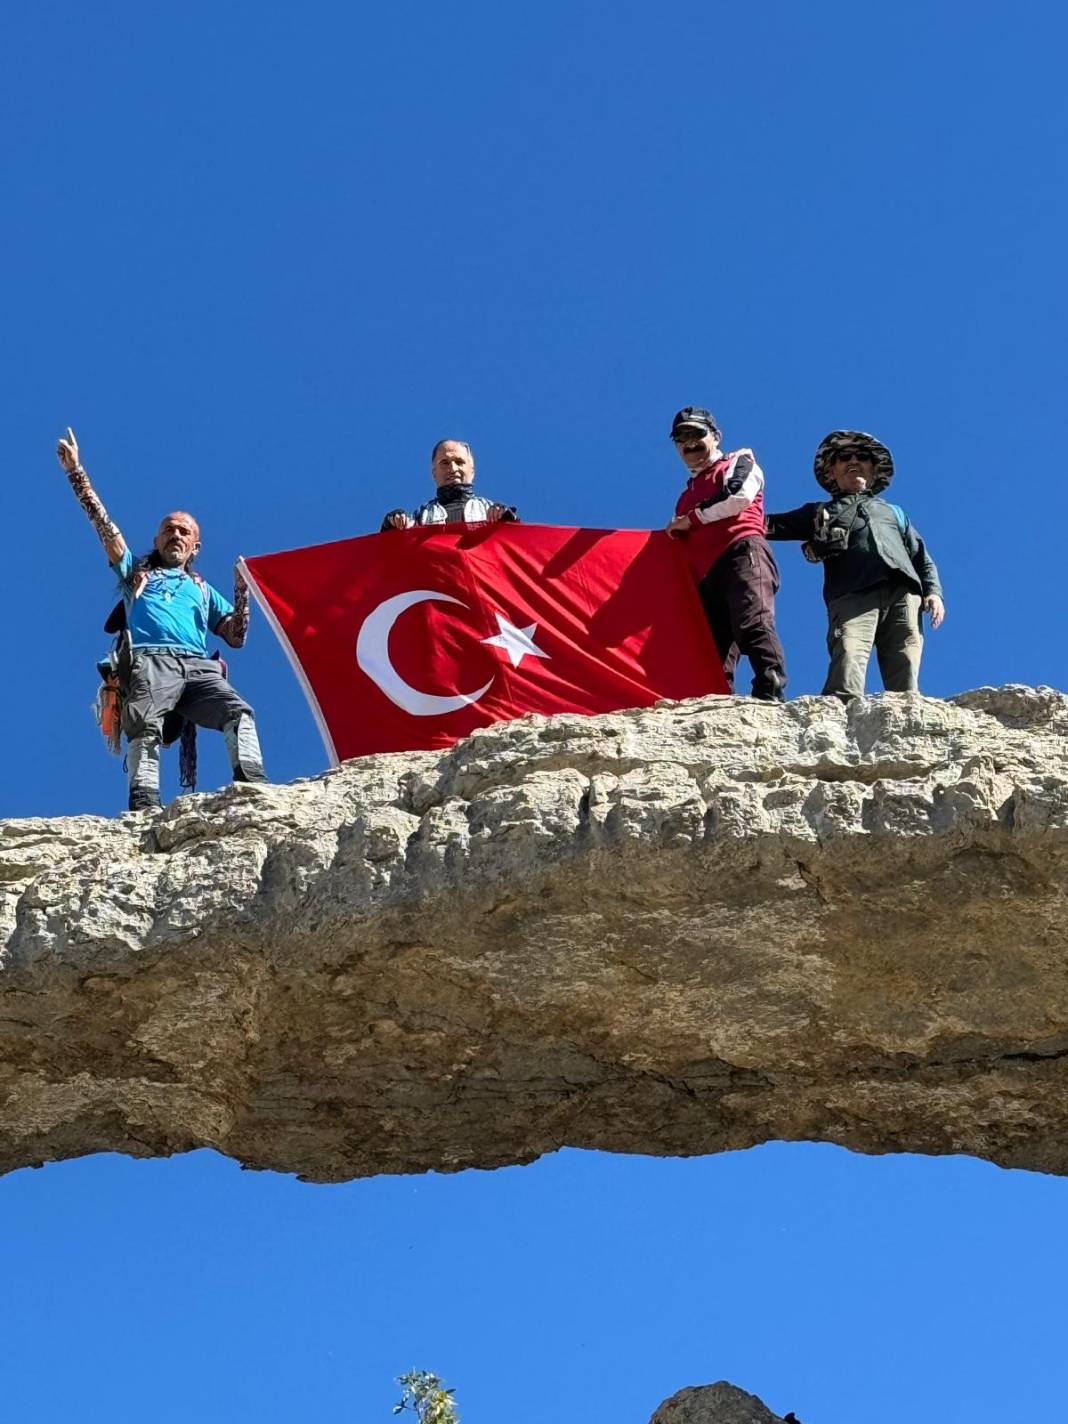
{"x": 678, "y": 930}
{"x": 720, "y": 1403}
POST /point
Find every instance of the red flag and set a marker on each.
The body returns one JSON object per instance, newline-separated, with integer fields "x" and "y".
{"x": 408, "y": 640}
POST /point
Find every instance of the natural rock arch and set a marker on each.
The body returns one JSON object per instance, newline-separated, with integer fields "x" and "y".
{"x": 672, "y": 931}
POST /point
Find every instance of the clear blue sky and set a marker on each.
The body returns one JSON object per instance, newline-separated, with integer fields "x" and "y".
{"x": 261, "y": 258}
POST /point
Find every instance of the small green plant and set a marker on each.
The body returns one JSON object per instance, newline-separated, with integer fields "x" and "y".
{"x": 427, "y": 1398}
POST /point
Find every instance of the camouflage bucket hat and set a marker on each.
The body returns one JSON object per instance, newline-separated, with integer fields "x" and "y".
{"x": 838, "y": 440}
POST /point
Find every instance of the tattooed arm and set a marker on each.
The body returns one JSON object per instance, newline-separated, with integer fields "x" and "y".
{"x": 106, "y": 528}
{"x": 234, "y": 627}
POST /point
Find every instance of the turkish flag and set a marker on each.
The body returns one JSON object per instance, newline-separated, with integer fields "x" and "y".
{"x": 410, "y": 639}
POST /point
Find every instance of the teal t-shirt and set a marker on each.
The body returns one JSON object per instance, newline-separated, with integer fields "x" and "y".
{"x": 173, "y": 610}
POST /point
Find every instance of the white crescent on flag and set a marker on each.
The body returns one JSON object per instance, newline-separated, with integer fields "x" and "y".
{"x": 372, "y": 654}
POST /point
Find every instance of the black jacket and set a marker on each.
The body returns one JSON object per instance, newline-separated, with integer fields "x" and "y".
{"x": 876, "y": 551}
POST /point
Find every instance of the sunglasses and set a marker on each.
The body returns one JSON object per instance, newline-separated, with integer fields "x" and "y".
{"x": 853, "y": 453}
{"x": 690, "y": 437}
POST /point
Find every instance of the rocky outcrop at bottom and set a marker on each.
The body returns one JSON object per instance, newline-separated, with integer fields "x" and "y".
{"x": 720, "y": 1403}
{"x": 674, "y": 931}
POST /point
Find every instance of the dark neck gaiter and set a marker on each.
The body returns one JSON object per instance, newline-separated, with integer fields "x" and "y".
{"x": 453, "y": 494}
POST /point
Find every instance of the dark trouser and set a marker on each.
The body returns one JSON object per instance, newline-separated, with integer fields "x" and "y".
{"x": 886, "y": 617}
{"x": 194, "y": 687}
{"x": 738, "y": 594}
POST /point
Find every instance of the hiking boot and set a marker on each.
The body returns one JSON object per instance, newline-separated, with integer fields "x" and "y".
{"x": 141, "y": 800}
{"x": 769, "y": 687}
{"x": 255, "y": 778}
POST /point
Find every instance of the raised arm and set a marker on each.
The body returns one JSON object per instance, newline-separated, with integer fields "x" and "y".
{"x": 233, "y": 629}
{"x": 106, "y": 528}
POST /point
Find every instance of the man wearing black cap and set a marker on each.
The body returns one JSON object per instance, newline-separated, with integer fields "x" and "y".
{"x": 877, "y": 573}
{"x": 452, "y": 468}
{"x": 720, "y": 514}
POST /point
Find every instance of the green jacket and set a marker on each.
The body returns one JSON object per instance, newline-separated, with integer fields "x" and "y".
{"x": 876, "y": 551}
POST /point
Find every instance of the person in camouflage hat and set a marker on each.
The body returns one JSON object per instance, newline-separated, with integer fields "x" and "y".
{"x": 877, "y": 574}
{"x": 840, "y": 442}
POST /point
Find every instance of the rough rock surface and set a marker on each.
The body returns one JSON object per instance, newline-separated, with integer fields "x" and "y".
{"x": 671, "y": 931}
{"x": 720, "y": 1403}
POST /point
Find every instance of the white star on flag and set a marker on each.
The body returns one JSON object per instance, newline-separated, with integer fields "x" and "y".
{"x": 518, "y": 643}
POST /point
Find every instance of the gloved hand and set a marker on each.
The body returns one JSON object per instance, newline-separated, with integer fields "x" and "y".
{"x": 398, "y": 519}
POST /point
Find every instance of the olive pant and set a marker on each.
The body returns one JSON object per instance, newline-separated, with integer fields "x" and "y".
{"x": 886, "y": 617}
{"x": 195, "y": 687}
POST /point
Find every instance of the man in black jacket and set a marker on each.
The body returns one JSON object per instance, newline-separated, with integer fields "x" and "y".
{"x": 877, "y": 573}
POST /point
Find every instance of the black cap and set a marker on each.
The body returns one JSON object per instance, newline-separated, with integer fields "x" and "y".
{"x": 694, "y": 417}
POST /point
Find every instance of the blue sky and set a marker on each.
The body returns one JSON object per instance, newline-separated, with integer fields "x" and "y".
{"x": 261, "y": 260}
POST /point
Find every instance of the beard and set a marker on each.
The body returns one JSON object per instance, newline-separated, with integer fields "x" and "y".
{"x": 172, "y": 556}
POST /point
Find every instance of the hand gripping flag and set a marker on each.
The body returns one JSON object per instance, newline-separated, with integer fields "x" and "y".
{"x": 410, "y": 639}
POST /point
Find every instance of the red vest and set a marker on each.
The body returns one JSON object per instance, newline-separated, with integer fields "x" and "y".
{"x": 705, "y": 543}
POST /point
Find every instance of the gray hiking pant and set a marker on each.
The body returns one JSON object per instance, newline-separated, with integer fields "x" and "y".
{"x": 196, "y": 688}
{"x": 887, "y": 618}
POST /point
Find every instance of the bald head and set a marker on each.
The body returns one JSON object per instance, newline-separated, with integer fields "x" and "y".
{"x": 452, "y": 463}
{"x": 177, "y": 540}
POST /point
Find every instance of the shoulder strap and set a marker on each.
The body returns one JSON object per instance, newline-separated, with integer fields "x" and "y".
{"x": 901, "y": 517}
{"x": 202, "y": 584}
{"x": 116, "y": 619}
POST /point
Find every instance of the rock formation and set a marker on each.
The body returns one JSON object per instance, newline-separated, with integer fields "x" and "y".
{"x": 720, "y": 1403}
{"x": 673, "y": 931}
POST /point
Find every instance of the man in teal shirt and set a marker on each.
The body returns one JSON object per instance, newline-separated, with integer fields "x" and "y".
{"x": 169, "y": 611}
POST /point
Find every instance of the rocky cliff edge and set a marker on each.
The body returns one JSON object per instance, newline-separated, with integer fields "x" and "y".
{"x": 673, "y": 931}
